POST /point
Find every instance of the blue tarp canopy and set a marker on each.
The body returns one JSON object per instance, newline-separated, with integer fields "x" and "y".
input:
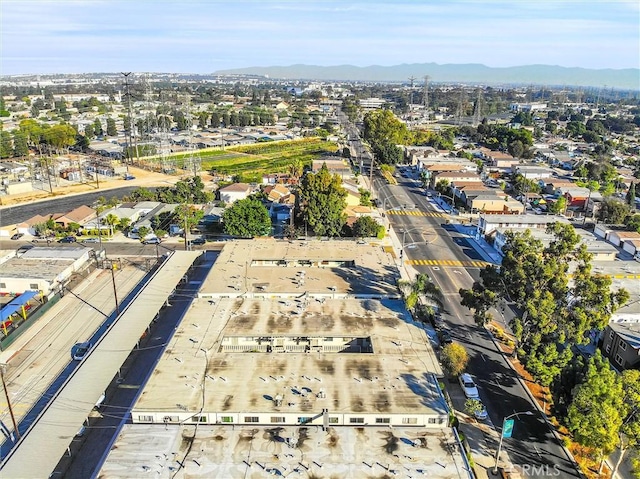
{"x": 16, "y": 304}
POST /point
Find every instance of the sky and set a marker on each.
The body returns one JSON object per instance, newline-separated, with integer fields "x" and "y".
{"x": 198, "y": 36}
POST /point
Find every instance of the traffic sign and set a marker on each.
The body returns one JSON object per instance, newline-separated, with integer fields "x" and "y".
{"x": 507, "y": 428}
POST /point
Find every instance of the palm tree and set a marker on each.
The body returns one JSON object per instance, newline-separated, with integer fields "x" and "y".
{"x": 296, "y": 168}
{"x": 421, "y": 287}
{"x": 111, "y": 220}
{"x": 124, "y": 224}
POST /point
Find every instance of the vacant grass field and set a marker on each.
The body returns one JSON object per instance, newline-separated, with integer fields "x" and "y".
{"x": 256, "y": 159}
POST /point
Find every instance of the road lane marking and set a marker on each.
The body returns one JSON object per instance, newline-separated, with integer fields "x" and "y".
{"x": 445, "y": 262}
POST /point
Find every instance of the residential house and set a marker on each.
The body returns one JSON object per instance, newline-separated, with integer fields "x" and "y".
{"x": 499, "y": 159}
{"x": 534, "y": 172}
{"x": 495, "y": 204}
{"x": 29, "y": 226}
{"x": 335, "y": 166}
{"x": 631, "y": 246}
{"x": 621, "y": 341}
{"x": 80, "y": 215}
{"x": 455, "y": 176}
{"x": 488, "y": 223}
{"x": 232, "y": 193}
{"x": 555, "y": 186}
{"x": 618, "y": 237}
{"x": 600, "y": 250}
{"x": 576, "y": 196}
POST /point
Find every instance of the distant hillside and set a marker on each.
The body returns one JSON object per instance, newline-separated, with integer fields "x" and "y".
{"x": 628, "y": 79}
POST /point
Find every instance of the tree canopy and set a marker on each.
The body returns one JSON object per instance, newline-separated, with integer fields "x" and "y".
{"x": 247, "y": 218}
{"x": 323, "y": 200}
{"x": 554, "y": 313}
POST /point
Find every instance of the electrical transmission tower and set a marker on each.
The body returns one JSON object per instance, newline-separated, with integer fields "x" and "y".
{"x": 411, "y": 80}
{"x": 193, "y": 162}
{"x": 477, "y": 109}
{"x": 425, "y": 95}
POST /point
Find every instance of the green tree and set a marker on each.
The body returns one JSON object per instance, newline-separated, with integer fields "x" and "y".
{"x": 247, "y": 218}
{"x": 143, "y": 232}
{"x": 20, "y": 146}
{"x": 89, "y": 131}
{"x": 387, "y": 152}
{"x": 60, "y": 136}
{"x": 633, "y": 223}
{"x": 597, "y": 411}
{"x": 111, "y": 127}
{"x": 111, "y": 220}
{"x": 629, "y": 435}
{"x": 613, "y": 211}
{"x": 365, "y": 197}
{"x": 366, "y": 227}
{"x": 516, "y": 149}
{"x": 559, "y": 206}
{"x": 554, "y": 314}
{"x": 187, "y": 216}
{"x": 421, "y": 287}
{"x": 631, "y": 195}
{"x": 454, "y": 359}
{"x": 124, "y": 224}
{"x": 479, "y": 299}
{"x": 97, "y": 127}
{"x": 382, "y": 125}
{"x": 473, "y": 407}
{"x": 323, "y": 201}
{"x": 6, "y": 145}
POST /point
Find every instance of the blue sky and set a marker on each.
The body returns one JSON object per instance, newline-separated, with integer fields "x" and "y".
{"x": 198, "y": 36}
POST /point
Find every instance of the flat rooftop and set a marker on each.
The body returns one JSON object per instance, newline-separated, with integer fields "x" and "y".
{"x": 333, "y": 268}
{"x": 319, "y": 343}
{"x": 251, "y": 453}
{"x": 349, "y": 356}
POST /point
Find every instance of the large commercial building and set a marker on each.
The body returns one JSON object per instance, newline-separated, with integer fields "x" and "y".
{"x": 296, "y": 356}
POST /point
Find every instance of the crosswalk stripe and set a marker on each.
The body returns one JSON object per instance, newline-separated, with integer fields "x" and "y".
{"x": 467, "y": 264}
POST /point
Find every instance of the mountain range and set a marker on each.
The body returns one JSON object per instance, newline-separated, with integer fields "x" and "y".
{"x": 473, "y": 73}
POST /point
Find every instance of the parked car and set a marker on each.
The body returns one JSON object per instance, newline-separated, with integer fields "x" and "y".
{"x": 151, "y": 241}
{"x": 91, "y": 240}
{"x": 17, "y": 236}
{"x": 79, "y": 350}
{"x": 468, "y": 386}
{"x": 444, "y": 336}
{"x": 67, "y": 239}
{"x": 24, "y": 248}
{"x": 481, "y": 414}
{"x": 199, "y": 241}
{"x": 129, "y": 177}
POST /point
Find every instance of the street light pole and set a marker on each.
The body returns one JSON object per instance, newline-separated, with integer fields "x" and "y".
{"x": 504, "y": 422}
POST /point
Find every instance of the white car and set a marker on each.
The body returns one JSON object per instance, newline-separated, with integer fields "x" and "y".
{"x": 468, "y": 386}
{"x": 481, "y": 414}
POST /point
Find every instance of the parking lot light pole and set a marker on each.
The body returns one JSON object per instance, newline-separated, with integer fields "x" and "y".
{"x": 502, "y": 434}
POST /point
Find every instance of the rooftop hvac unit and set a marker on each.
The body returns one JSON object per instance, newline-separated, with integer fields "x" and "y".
{"x": 278, "y": 400}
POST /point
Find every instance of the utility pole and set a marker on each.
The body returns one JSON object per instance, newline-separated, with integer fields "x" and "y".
{"x": 3, "y": 366}
{"x": 129, "y": 141}
{"x": 113, "y": 280}
{"x": 186, "y": 242}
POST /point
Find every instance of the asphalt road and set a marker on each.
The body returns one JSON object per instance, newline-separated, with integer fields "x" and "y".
{"x": 18, "y": 213}
{"x": 533, "y": 446}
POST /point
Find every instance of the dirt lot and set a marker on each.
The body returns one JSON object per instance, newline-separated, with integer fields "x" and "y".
{"x": 142, "y": 178}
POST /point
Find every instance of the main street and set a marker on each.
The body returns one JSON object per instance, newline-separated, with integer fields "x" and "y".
{"x": 452, "y": 263}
